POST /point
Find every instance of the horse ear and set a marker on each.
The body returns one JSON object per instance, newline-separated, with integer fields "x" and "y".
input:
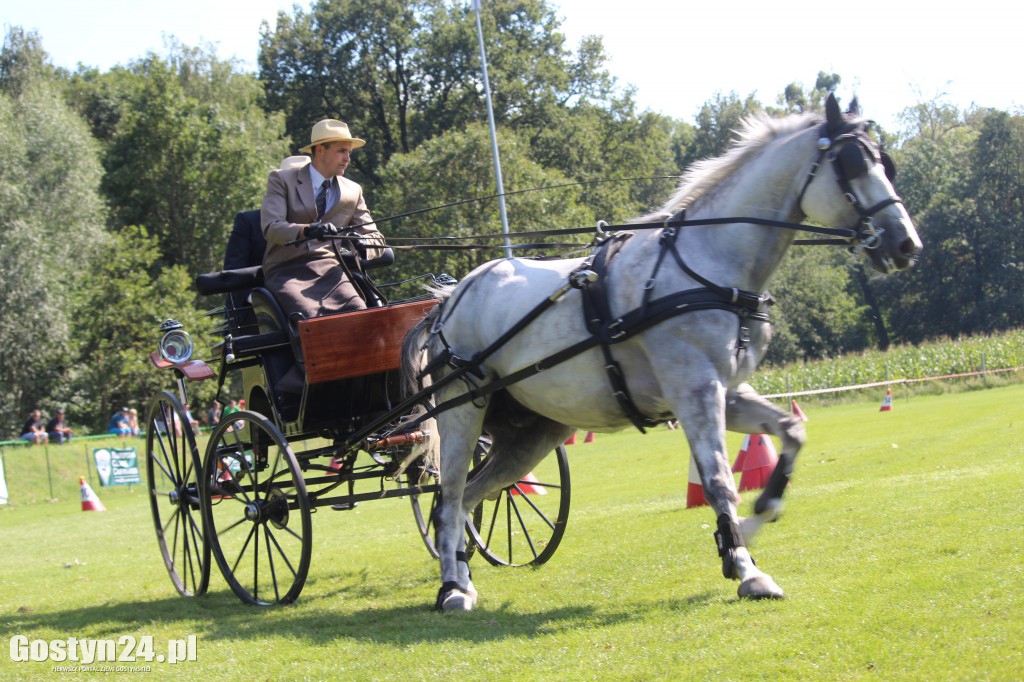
{"x": 854, "y": 109}
{"x": 833, "y": 117}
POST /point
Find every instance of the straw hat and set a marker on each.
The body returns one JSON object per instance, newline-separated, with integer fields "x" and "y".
{"x": 331, "y": 130}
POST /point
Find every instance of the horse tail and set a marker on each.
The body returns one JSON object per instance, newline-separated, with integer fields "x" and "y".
{"x": 419, "y": 347}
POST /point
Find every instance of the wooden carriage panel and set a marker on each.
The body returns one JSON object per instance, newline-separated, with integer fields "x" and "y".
{"x": 358, "y": 343}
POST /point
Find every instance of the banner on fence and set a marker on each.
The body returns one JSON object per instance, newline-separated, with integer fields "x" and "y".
{"x": 3, "y": 483}
{"x": 117, "y": 466}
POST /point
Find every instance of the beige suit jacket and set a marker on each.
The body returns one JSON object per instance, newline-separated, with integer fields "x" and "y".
{"x": 289, "y": 204}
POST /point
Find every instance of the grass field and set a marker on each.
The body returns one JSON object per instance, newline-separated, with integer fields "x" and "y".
{"x": 900, "y": 553}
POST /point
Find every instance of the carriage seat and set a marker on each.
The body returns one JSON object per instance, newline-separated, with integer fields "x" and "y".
{"x": 229, "y": 281}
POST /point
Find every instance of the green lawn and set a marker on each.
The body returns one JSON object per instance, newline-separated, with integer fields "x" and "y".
{"x": 899, "y": 552}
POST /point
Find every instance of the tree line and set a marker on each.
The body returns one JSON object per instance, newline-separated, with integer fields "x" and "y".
{"x": 118, "y": 187}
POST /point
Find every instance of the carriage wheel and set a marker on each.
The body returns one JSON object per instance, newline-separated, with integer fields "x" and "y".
{"x": 256, "y": 509}
{"x": 173, "y": 465}
{"x": 526, "y": 521}
{"x": 522, "y": 526}
{"x": 424, "y": 516}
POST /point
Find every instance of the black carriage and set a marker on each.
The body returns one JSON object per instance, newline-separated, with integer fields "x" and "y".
{"x": 323, "y": 426}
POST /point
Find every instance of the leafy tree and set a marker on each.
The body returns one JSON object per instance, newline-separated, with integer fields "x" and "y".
{"x": 51, "y": 220}
{"x": 717, "y": 120}
{"x": 424, "y": 178}
{"x": 118, "y": 307}
{"x": 401, "y": 73}
{"x": 816, "y": 315}
{"x": 187, "y": 146}
{"x": 795, "y": 100}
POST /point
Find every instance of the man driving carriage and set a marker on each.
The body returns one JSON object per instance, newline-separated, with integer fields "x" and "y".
{"x": 313, "y": 203}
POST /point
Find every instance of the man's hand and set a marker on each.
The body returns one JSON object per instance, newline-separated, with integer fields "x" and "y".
{"x": 321, "y": 230}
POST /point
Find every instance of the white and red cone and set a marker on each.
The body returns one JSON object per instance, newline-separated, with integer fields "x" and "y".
{"x": 759, "y": 462}
{"x": 528, "y": 489}
{"x": 887, "y": 401}
{"x": 90, "y": 500}
{"x": 694, "y": 488}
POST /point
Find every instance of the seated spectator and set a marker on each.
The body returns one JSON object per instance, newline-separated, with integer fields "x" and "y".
{"x": 193, "y": 422}
{"x": 133, "y": 421}
{"x": 119, "y": 424}
{"x": 33, "y": 430}
{"x": 57, "y": 429}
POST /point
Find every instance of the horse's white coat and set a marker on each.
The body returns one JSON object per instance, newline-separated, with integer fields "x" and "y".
{"x": 687, "y": 367}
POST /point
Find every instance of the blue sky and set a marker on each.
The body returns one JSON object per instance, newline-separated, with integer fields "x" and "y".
{"x": 678, "y": 55}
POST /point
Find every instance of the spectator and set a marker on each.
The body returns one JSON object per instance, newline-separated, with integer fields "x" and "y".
{"x": 33, "y": 430}
{"x": 57, "y": 429}
{"x": 230, "y": 410}
{"x": 214, "y": 414}
{"x": 119, "y": 424}
{"x": 192, "y": 421}
{"x": 133, "y": 421}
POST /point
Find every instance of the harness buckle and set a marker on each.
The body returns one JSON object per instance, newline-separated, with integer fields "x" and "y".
{"x": 615, "y": 330}
{"x": 581, "y": 278}
{"x": 649, "y": 285}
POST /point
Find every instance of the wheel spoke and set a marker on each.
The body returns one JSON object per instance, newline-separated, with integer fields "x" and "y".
{"x": 173, "y": 458}
{"x": 258, "y": 564}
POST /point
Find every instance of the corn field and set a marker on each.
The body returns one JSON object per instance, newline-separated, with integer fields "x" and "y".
{"x": 930, "y": 359}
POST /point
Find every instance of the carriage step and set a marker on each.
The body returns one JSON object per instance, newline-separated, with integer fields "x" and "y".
{"x": 344, "y": 506}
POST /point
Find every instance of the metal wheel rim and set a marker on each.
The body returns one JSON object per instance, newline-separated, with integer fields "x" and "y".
{"x": 173, "y": 466}
{"x": 541, "y": 527}
{"x": 263, "y": 550}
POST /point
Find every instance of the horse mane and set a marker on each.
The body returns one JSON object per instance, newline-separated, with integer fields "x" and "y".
{"x": 755, "y": 133}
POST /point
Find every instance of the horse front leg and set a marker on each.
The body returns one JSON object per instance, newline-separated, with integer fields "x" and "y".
{"x": 748, "y": 412}
{"x": 459, "y": 427}
{"x": 702, "y": 416}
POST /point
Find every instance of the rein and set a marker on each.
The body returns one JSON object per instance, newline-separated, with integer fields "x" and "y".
{"x": 842, "y": 236}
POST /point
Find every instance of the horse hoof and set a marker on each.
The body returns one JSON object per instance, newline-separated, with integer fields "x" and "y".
{"x": 760, "y": 587}
{"x": 457, "y": 600}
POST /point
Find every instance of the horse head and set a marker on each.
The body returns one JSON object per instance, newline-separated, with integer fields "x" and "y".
{"x": 861, "y": 193}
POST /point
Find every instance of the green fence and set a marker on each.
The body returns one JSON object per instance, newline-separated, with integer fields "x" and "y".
{"x": 63, "y": 464}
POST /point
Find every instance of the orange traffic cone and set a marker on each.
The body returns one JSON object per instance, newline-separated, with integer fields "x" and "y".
{"x": 797, "y": 412}
{"x": 524, "y": 485}
{"x": 589, "y": 438}
{"x": 737, "y": 467}
{"x": 90, "y": 501}
{"x": 694, "y": 488}
{"x": 759, "y": 463}
{"x": 572, "y": 439}
{"x": 887, "y": 401}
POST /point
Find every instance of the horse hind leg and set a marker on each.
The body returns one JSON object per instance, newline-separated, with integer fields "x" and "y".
{"x": 748, "y": 412}
{"x": 460, "y": 427}
{"x": 520, "y": 440}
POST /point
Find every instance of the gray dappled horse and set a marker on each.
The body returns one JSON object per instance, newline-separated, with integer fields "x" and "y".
{"x": 677, "y": 321}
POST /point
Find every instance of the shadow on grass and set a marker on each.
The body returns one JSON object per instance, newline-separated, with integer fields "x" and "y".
{"x": 219, "y": 615}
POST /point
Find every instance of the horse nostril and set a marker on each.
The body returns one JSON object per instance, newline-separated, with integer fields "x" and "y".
{"x": 909, "y": 249}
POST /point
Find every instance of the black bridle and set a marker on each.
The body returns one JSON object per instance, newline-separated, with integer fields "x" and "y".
{"x": 851, "y": 152}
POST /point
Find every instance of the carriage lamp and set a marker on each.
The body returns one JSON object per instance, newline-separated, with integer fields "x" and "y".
{"x": 176, "y": 344}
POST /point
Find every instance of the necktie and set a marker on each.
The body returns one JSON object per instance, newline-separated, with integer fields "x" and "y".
{"x": 321, "y": 199}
